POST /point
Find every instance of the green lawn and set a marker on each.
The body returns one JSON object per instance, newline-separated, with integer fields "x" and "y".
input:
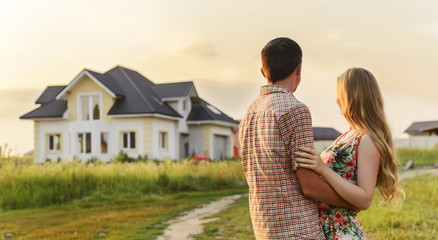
{"x": 421, "y": 157}
{"x": 416, "y": 218}
{"x": 117, "y": 219}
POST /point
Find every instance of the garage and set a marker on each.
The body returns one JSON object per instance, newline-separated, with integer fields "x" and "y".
{"x": 220, "y": 147}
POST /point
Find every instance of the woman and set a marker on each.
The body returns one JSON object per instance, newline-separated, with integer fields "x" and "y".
{"x": 359, "y": 159}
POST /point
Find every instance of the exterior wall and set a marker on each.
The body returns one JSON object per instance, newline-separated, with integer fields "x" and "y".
{"x": 171, "y": 127}
{"x": 207, "y": 140}
{"x": 45, "y": 128}
{"x": 422, "y": 142}
{"x": 95, "y": 127}
{"x": 195, "y": 140}
{"x": 178, "y": 105}
{"x": 147, "y": 136}
{"x": 86, "y": 85}
{"x": 208, "y": 132}
{"x": 36, "y": 141}
{"x": 120, "y": 125}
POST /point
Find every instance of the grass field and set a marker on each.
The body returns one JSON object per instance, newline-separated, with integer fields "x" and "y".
{"x": 421, "y": 157}
{"x": 35, "y": 185}
{"x": 416, "y": 218}
{"x": 132, "y": 200}
{"x": 140, "y": 218}
{"x": 76, "y": 200}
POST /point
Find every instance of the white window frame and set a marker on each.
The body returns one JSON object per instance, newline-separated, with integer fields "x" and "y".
{"x": 90, "y": 104}
{"x": 165, "y": 135}
{"x": 54, "y": 143}
{"x": 129, "y": 140}
{"x": 84, "y": 142}
{"x": 107, "y": 139}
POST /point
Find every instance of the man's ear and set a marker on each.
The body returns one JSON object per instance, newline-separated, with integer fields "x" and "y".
{"x": 298, "y": 70}
{"x": 263, "y": 72}
{"x": 298, "y": 76}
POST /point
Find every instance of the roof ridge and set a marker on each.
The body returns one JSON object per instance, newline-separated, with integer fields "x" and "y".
{"x": 136, "y": 88}
{"x": 173, "y": 82}
{"x": 187, "y": 90}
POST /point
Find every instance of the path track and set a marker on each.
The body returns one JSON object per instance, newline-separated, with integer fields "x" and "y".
{"x": 419, "y": 172}
{"x": 192, "y": 222}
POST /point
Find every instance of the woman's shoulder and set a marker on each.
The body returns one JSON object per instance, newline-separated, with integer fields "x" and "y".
{"x": 367, "y": 144}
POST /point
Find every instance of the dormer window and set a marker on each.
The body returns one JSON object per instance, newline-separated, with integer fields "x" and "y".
{"x": 90, "y": 107}
{"x": 213, "y": 109}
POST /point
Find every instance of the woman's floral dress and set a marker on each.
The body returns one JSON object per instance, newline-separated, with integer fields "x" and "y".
{"x": 342, "y": 223}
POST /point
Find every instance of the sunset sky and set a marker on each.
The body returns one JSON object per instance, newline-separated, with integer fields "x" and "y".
{"x": 216, "y": 44}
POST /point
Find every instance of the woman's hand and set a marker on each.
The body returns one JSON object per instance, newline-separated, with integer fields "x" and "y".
{"x": 309, "y": 158}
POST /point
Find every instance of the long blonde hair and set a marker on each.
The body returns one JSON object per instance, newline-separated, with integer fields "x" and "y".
{"x": 362, "y": 106}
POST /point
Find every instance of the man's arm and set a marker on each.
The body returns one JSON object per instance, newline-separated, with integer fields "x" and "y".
{"x": 313, "y": 186}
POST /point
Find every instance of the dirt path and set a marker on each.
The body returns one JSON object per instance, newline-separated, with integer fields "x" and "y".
{"x": 192, "y": 222}
{"x": 419, "y": 172}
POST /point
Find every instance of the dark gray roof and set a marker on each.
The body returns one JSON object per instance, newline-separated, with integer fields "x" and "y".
{"x": 167, "y": 90}
{"x": 325, "y": 133}
{"x": 53, "y": 109}
{"x": 139, "y": 96}
{"x": 135, "y": 94}
{"x": 49, "y": 94}
{"x": 108, "y": 82}
{"x": 418, "y": 127}
{"x": 202, "y": 112}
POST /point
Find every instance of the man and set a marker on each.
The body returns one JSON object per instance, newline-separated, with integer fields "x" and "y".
{"x": 275, "y": 126}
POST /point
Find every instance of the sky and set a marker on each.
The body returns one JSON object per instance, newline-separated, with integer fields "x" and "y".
{"x": 216, "y": 44}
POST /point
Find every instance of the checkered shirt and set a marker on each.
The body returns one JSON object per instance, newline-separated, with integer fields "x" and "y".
{"x": 275, "y": 125}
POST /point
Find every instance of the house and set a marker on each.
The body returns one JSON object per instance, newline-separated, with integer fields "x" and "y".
{"x": 422, "y": 135}
{"x": 427, "y": 128}
{"x": 324, "y": 136}
{"x": 100, "y": 114}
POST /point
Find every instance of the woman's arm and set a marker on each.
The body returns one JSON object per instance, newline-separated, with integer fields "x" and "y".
{"x": 368, "y": 160}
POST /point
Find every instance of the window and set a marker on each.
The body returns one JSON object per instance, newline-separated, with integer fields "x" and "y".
{"x": 90, "y": 107}
{"x": 184, "y": 105}
{"x": 54, "y": 142}
{"x": 163, "y": 140}
{"x": 84, "y": 142}
{"x": 104, "y": 142}
{"x": 128, "y": 140}
{"x": 214, "y": 110}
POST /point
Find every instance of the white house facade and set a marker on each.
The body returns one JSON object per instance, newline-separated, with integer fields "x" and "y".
{"x": 98, "y": 115}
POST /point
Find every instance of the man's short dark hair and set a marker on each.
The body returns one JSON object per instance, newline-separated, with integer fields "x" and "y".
{"x": 280, "y": 57}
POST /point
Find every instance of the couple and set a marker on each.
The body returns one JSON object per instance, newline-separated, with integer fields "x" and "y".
{"x": 293, "y": 192}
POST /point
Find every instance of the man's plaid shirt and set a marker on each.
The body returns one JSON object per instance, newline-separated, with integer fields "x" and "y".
{"x": 275, "y": 125}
